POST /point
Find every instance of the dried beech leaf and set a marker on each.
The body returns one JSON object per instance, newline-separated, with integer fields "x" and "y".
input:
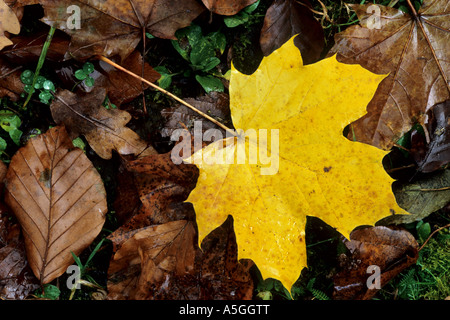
{"x": 58, "y": 198}
{"x": 414, "y": 51}
{"x": 286, "y": 18}
{"x": 388, "y": 249}
{"x": 104, "y": 129}
{"x": 116, "y": 27}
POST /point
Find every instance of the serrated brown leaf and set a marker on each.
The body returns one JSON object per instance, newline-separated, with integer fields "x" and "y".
{"x": 227, "y": 7}
{"x": 388, "y": 249}
{"x": 104, "y": 129}
{"x": 286, "y": 18}
{"x": 119, "y": 26}
{"x": 414, "y": 51}
{"x": 58, "y": 197}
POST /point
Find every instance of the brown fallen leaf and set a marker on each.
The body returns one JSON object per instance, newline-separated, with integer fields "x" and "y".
{"x": 10, "y": 84}
{"x": 164, "y": 262}
{"x": 8, "y": 23}
{"x": 27, "y": 49}
{"x": 215, "y": 104}
{"x": 120, "y": 87}
{"x": 414, "y": 50}
{"x": 286, "y": 18}
{"x": 58, "y": 198}
{"x": 103, "y": 128}
{"x": 380, "y": 247}
{"x": 435, "y": 154}
{"x": 16, "y": 278}
{"x": 109, "y": 28}
{"x": 161, "y": 186}
{"x": 153, "y": 255}
{"x": 227, "y": 7}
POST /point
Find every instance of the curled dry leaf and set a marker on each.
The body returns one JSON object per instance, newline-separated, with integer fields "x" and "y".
{"x": 387, "y": 249}
{"x": 8, "y": 23}
{"x": 414, "y": 50}
{"x": 103, "y": 128}
{"x": 286, "y": 18}
{"x": 109, "y": 28}
{"x": 227, "y": 7}
{"x": 59, "y": 199}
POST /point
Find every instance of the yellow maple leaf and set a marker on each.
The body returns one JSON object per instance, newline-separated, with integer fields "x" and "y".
{"x": 310, "y": 167}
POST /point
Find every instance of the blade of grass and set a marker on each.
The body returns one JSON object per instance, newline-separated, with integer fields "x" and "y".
{"x": 40, "y": 63}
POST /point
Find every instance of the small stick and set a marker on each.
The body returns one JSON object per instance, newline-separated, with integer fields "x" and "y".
{"x": 102, "y": 58}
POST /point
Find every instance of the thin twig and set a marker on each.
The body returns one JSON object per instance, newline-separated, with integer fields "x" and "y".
{"x": 102, "y": 58}
{"x": 432, "y": 234}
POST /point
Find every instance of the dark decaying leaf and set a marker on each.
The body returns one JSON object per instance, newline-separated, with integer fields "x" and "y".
{"x": 116, "y": 27}
{"x": 436, "y": 153}
{"x": 286, "y": 18}
{"x": 388, "y": 249}
{"x": 164, "y": 262}
{"x": 103, "y": 128}
{"x": 414, "y": 51}
{"x": 227, "y": 7}
{"x": 421, "y": 197}
{"x": 59, "y": 200}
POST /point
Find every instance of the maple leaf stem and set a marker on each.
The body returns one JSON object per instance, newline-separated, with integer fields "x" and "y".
{"x": 102, "y": 58}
